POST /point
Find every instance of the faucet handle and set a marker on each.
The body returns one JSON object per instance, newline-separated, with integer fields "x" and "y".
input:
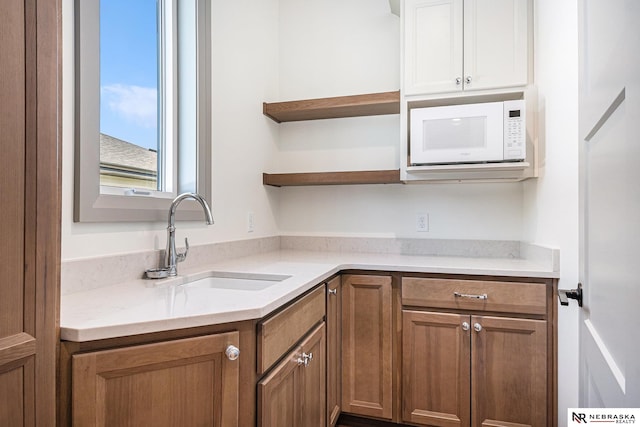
{"x": 182, "y": 256}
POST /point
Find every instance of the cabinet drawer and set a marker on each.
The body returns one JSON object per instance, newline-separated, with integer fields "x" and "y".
{"x": 508, "y": 297}
{"x": 279, "y": 333}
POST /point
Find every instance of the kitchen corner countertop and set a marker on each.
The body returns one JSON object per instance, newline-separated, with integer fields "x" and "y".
{"x": 145, "y": 306}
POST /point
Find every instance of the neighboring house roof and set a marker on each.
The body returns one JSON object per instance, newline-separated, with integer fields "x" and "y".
{"x": 121, "y": 156}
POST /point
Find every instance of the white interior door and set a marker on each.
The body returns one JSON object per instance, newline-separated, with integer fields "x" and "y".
{"x": 609, "y": 116}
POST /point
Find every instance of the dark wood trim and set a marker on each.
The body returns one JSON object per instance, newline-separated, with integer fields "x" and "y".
{"x": 371, "y": 104}
{"x": 552, "y": 355}
{"x": 332, "y": 178}
{"x": 334, "y": 349}
{"x": 47, "y": 218}
{"x": 396, "y": 338}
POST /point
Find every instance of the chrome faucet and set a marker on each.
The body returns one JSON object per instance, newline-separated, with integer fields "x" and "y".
{"x": 171, "y": 256}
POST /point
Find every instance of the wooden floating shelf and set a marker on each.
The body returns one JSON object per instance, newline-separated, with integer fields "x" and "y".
{"x": 371, "y": 104}
{"x": 332, "y": 178}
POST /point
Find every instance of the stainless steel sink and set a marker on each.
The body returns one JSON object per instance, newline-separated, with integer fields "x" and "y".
{"x": 236, "y": 281}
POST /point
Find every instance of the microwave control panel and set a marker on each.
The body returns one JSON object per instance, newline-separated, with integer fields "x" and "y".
{"x": 515, "y": 130}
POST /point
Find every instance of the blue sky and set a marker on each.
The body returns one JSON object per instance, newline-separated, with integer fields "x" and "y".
{"x": 129, "y": 70}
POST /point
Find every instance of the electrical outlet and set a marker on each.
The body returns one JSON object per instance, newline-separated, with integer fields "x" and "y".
{"x": 422, "y": 222}
{"x": 250, "y": 222}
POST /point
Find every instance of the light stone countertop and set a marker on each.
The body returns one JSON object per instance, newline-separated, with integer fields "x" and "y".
{"x": 143, "y": 306}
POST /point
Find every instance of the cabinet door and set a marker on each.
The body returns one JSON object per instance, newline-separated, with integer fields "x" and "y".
{"x": 432, "y": 46}
{"x": 334, "y": 350}
{"x": 30, "y": 79}
{"x": 313, "y": 389}
{"x": 509, "y": 371}
{"x": 435, "y": 368}
{"x": 278, "y": 393}
{"x": 496, "y": 41}
{"x": 185, "y": 382}
{"x": 367, "y": 345}
{"x": 294, "y": 392}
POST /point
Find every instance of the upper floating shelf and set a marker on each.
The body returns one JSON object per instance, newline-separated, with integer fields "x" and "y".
{"x": 332, "y": 178}
{"x": 371, "y": 104}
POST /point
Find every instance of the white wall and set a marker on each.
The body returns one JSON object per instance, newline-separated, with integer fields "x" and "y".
{"x": 244, "y": 67}
{"x": 487, "y": 211}
{"x": 551, "y": 201}
{"x": 337, "y": 47}
{"x": 294, "y": 49}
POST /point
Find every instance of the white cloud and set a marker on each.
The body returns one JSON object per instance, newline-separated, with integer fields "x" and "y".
{"x": 135, "y": 103}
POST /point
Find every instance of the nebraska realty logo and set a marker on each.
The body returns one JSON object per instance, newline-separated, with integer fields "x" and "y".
{"x": 579, "y": 416}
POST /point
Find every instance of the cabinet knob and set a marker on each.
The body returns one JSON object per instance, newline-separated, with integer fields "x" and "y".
{"x": 467, "y": 80}
{"x": 458, "y": 81}
{"x": 232, "y": 352}
{"x": 465, "y": 326}
{"x": 477, "y": 327}
{"x": 333, "y": 291}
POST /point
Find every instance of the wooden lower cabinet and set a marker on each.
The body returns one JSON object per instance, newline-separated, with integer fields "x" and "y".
{"x": 461, "y": 370}
{"x": 282, "y": 330}
{"x": 436, "y": 369}
{"x": 186, "y": 382}
{"x": 508, "y": 372}
{"x": 294, "y": 392}
{"x": 437, "y": 352}
{"x": 367, "y": 345}
{"x": 334, "y": 350}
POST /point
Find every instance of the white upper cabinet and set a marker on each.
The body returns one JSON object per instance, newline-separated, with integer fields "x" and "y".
{"x": 433, "y": 38}
{"x": 495, "y": 43}
{"x": 456, "y": 45}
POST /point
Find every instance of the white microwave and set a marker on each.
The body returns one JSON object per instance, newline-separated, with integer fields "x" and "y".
{"x": 468, "y": 133}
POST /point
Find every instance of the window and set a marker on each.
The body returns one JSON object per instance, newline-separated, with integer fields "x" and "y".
{"x": 142, "y": 107}
{"x": 133, "y": 70}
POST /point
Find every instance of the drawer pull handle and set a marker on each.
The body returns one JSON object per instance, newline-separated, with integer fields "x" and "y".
{"x": 304, "y": 359}
{"x": 459, "y": 295}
